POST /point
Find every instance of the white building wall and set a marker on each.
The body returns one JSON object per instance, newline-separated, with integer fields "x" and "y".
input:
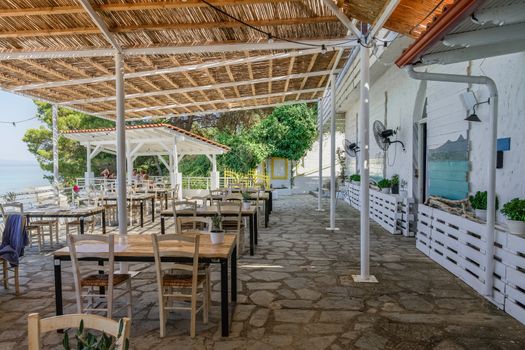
{"x": 445, "y": 115}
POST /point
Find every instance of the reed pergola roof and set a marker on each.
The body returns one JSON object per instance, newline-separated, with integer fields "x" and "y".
{"x": 181, "y": 57}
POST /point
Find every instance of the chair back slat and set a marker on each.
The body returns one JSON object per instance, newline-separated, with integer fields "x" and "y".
{"x": 201, "y": 224}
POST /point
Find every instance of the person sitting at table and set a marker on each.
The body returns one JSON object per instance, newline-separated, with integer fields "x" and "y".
{"x": 144, "y": 175}
{"x": 105, "y": 173}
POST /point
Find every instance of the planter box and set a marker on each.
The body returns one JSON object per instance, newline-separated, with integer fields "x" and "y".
{"x": 392, "y": 212}
{"x": 458, "y": 244}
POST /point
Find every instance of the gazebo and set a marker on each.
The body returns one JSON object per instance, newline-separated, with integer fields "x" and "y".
{"x": 156, "y": 140}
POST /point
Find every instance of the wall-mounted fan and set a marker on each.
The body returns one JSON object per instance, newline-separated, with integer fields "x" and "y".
{"x": 383, "y": 135}
{"x": 351, "y": 148}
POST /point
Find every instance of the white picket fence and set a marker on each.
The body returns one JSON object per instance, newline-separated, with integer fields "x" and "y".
{"x": 394, "y": 213}
{"x": 458, "y": 244}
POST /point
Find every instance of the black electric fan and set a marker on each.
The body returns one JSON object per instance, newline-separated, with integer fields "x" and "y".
{"x": 383, "y": 135}
{"x": 351, "y": 148}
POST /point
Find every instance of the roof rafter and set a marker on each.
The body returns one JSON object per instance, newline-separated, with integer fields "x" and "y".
{"x": 384, "y": 15}
{"x": 101, "y": 25}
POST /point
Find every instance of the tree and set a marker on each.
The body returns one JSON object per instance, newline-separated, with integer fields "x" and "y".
{"x": 289, "y": 131}
{"x": 72, "y": 156}
{"x": 245, "y": 154}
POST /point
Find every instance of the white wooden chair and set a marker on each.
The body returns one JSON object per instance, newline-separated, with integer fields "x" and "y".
{"x": 93, "y": 286}
{"x": 93, "y": 200}
{"x": 174, "y": 281}
{"x": 258, "y": 203}
{"x": 38, "y": 326}
{"x": 178, "y": 206}
{"x": 201, "y": 201}
{"x": 193, "y": 223}
{"x": 12, "y": 207}
{"x": 233, "y": 223}
{"x": 6, "y": 267}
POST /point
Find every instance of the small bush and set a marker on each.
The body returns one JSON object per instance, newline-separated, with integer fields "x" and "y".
{"x": 515, "y": 209}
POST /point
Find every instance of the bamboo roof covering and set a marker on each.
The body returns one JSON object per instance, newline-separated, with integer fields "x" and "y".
{"x": 57, "y": 51}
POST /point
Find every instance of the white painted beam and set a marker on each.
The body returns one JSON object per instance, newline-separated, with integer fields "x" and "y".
{"x": 170, "y": 70}
{"x": 342, "y": 17}
{"x": 100, "y": 24}
{"x": 171, "y": 50}
{"x": 198, "y": 88}
{"x": 380, "y": 21}
{"x": 494, "y": 35}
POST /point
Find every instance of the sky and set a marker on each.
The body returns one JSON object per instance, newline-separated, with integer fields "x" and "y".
{"x": 13, "y": 108}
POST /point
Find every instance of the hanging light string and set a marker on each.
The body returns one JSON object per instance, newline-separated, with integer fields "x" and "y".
{"x": 14, "y": 123}
{"x": 270, "y": 35}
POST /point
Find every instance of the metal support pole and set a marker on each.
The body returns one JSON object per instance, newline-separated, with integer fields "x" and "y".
{"x": 87, "y": 178}
{"x": 55, "y": 144}
{"x": 332, "y": 155}
{"x": 121, "y": 146}
{"x": 364, "y": 137}
{"x": 175, "y": 167}
{"x": 320, "y": 191}
{"x": 129, "y": 163}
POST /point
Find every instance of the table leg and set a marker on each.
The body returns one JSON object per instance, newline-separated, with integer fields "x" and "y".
{"x": 234, "y": 274}
{"x": 58, "y": 287}
{"x": 225, "y": 324}
{"x": 270, "y": 198}
{"x": 166, "y": 200}
{"x": 256, "y": 228}
{"x": 153, "y": 209}
{"x": 141, "y": 213}
{"x": 252, "y": 235}
{"x": 162, "y": 225}
{"x": 101, "y": 289}
{"x": 104, "y": 221}
{"x": 81, "y": 223}
{"x": 266, "y": 214}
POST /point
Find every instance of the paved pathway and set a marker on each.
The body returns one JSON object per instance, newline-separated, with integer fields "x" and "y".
{"x": 296, "y": 294}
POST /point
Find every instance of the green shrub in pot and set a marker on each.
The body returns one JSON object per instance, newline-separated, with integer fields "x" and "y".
{"x": 479, "y": 203}
{"x": 394, "y": 182}
{"x": 514, "y": 211}
{"x": 384, "y": 185}
{"x": 355, "y": 178}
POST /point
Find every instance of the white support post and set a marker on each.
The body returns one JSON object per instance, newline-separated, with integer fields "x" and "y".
{"x": 175, "y": 167}
{"x": 332, "y": 155}
{"x": 364, "y": 137}
{"x": 121, "y": 147}
{"x": 214, "y": 173}
{"x": 87, "y": 175}
{"x": 129, "y": 163}
{"x": 320, "y": 191}
{"x": 55, "y": 144}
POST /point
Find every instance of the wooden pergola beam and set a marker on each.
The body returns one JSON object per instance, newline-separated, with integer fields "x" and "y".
{"x": 137, "y": 6}
{"x": 164, "y": 26}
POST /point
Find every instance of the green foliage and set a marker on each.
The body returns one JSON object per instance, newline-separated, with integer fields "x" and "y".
{"x": 479, "y": 201}
{"x": 384, "y": 183}
{"x": 394, "y": 180}
{"x": 515, "y": 209}
{"x": 289, "y": 131}
{"x": 246, "y": 197}
{"x": 88, "y": 341}
{"x": 216, "y": 223}
{"x": 246, "y": 151}
{"x": 72, "y": 156}
{"x": 355, "y": 177}
{"x": 195, "y": 165}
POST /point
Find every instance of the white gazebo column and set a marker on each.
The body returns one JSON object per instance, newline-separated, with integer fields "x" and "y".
{"x": 364, "y": 137}
{"x": 87, "y": 175}
{"x": 176, "y": 176}
{"x": 320, "y": 191}
{"x": 214, "y": 173}
{"x": 121, "y": 146}
{"x": 332, "y": 155}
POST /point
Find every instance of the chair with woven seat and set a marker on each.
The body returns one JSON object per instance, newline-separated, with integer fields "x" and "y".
{"x": 15, "y": 207}
{"x": 36, "y": 326}
{"x": 181, "y": 277}
{"x": 233, "y": 223}
{"x": 193, "y": 223}
{"x": 98, "y": 287}
{"x": 14, "y": 239}
{"x": 257, "y": 202}
{"x": 89, "y": 222}
{"x": 187, "y": 207}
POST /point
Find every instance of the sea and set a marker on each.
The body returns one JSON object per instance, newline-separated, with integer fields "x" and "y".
{"x": 18, "y": 176}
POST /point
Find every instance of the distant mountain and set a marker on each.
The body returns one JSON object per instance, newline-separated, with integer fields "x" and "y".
{"x": 451, "y": 150}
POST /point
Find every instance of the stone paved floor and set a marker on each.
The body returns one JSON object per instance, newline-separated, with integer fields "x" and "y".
{"x": 295, "y": 294}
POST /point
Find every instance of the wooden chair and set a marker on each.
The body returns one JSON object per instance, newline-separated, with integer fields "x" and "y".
{"x": 178, "y": 206}
{"x": 258, "y": 203}
{"x": 233, "y": 223}
{"x": 94, "y": 285}
{"x": 201, "y": 201}
{"x": 234, "y": 197}
{"x": 217, "y": 195}
{"x": 172, "y": 285}
{"x": 6, "y": 267}
{"x": 31, "y": 228}
{"x": 193, "y": 224}
{"x": 37, "y": 326}
{"x": 89, "y": 222}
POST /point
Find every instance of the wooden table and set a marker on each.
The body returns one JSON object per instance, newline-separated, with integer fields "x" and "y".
{"x": 141, "y": 198}
{"x": 138, "y": 248}
{"x": 78, "y": 213}
{"x": 266, "y": 197}
{"x": 160, "y": 192}
{"x": 213, "y": 210}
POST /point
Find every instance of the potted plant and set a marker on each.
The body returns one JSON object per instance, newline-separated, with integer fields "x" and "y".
{"x": 355, "y": 178}
{"x": 217, "y": 233}
{"x": 384, "y": 185}
{"x": 394, "y": 182}
{"x": 246, "y": 200}
{"x": 88, "y": 341}
{"x": 514, "y": 211}
{"x": 479, "y": 204}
